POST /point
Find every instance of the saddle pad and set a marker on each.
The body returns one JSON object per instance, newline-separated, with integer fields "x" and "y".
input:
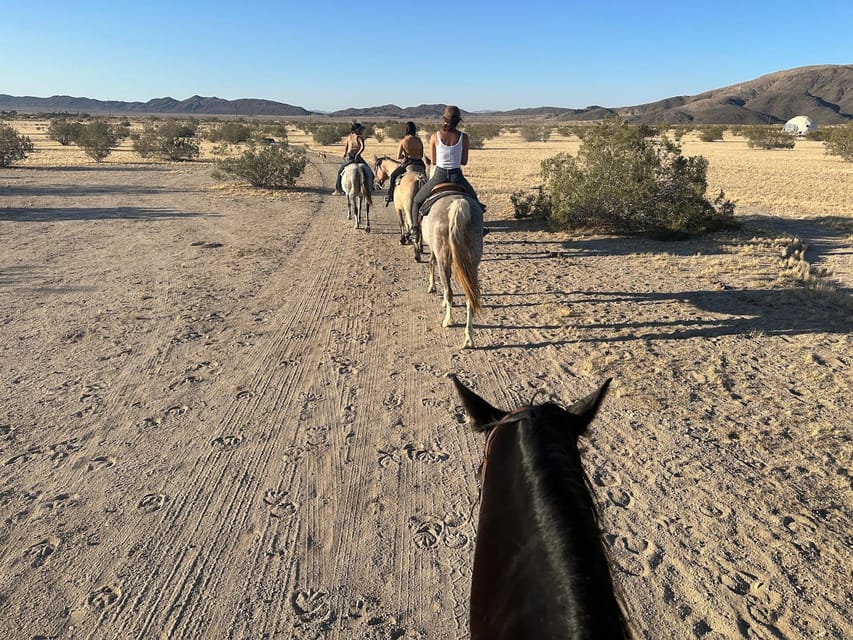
{"x": 435, "y": 196}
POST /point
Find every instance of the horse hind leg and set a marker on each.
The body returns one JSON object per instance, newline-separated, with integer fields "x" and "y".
{"x": 447, "y": 298}
{"x": 469, "y": 339}
{"x": 403, "y": 234}
{"x": 367, "y": 217}
{"x": 431, "y": 272}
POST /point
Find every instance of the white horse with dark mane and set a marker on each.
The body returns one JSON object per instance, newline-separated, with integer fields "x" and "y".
{"x": 453, "y": 229}
{"x": 357, "y": 187}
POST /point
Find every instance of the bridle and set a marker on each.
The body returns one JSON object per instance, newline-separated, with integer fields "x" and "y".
{"x": 511, "y": 417}
{"x": 379, "y": 170}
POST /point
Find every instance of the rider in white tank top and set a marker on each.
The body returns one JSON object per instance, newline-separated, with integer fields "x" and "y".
{"x": 448, "y": 157}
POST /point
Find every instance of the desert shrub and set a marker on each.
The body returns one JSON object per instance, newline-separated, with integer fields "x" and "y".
{"x": 230, "y": 132}
{"x": 13, "y": 146}
{"x": 177, "y": 129}
{"x": 535, "y": 132}
{"x": 276, "y": 130}
{"x": 394, "y": 129}
{"x": 678, "y": 131}
{"x": 145, "y": 143}
{"x": 97, "y": 139}
{"x": 221, "y": 149}
{"x": 527, "y": 204}
{"x": 178, "y": 149}
{"x": 479, "y": 132}
{"x": 569, "y": 130}
{"x": 63, "y": 131}
{"x": 711, "y": 133}
{"x": 272, "y": 167}
{"x": 623, "y": 181}
{"x": 763, "y": 137}
{"x": 169, "y": 140}
{"x": 379, "y": 135}
{"x": 327, "y": 134}
{"x": 839, "y": 142}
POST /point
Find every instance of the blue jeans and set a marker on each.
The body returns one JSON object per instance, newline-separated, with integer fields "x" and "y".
{"x": 443, "y": 175}
{"x": 346, "y": 161}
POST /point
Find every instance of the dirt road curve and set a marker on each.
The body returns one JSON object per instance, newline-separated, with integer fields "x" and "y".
{"x": 225, "y": 415}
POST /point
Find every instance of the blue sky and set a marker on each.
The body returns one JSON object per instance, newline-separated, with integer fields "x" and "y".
{"x": 329, "y": 55}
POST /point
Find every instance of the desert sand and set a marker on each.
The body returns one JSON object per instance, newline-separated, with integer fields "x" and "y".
{"x": 225, "y": 413}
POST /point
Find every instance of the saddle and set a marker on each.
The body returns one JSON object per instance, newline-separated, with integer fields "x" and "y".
{"x": 442, "y": 190}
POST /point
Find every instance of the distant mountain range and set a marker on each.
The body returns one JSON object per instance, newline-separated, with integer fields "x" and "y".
{"x": 824, "y": 93}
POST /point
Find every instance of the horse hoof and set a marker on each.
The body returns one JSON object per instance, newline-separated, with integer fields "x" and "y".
{"x": 403, "y": 240}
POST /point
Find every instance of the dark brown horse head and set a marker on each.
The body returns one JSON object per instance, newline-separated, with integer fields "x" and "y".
{"x": 540, "y": 569}
{"x": 484, "y": 416}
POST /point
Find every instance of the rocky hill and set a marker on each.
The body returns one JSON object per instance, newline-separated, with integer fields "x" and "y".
{"x": 824, "y": 93}
{"x": 196, "y": 105}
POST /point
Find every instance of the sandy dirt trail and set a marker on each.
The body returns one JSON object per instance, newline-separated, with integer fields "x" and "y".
{"x": 225, "y": 415}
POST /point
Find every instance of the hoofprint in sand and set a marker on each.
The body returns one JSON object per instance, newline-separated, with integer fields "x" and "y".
{"x": 224, "y": 413}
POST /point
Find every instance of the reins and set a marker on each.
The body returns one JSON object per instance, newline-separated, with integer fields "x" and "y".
{"x": 512, "y": 416}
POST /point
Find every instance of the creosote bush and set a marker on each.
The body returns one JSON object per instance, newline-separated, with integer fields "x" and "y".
{"x": 535, "y": 132}
{"x": 839, "y": 142}
{"x": 63, "y": 131}
{"x": 527, "y": 204}
{"x": 394, "y": 129}
{"x": 231, "y": 132}
{"x": 12, "y": 146}
{"x": 97, "y": 139}
{"x": 327, "y": 134}
{"x": 624, "y": 181}
{"x": 763, "y": 137}
{"x": 711, "y": 133}
{"x": 170, "y": 140}
{"x": 273, "y": 167}
{"x": 479, "y": 132}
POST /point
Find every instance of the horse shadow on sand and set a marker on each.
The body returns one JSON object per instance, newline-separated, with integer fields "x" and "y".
{"x": 722, "y": 311}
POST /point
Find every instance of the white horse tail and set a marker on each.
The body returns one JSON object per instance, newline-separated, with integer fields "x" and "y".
{"x": 464, "y": 267}
{"x": 365, "y": 187}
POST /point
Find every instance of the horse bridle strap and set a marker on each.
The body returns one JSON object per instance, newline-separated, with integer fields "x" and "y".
{"x": 512, "y": 416}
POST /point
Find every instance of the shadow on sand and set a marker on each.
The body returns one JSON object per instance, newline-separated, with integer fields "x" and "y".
{"x": 65, "y": 214}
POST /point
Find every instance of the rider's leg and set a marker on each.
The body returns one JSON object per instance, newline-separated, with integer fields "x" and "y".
{"x": 438, "y": 176}
{"x": 392, "y": 179}
{"x": 338, "y": 176}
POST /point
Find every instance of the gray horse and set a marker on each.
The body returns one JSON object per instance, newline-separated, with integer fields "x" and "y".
{"x": 454, "y": 232}
{"x": 358, "y": 189}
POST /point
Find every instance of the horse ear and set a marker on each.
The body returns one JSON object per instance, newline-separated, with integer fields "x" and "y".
{"x": 480, "y": 411}
{"x": 586, "y": 408}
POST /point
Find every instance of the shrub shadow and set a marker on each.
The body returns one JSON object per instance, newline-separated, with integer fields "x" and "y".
{"x": 93, "y": 213}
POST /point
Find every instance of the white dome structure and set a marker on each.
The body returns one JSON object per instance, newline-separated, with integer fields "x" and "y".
{"x": 799, "y": 125}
